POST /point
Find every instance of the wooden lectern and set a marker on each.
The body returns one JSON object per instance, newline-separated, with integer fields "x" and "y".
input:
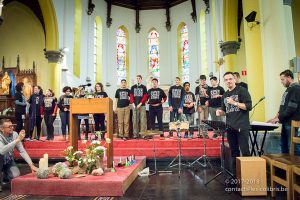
{"x": 92, "y": 106}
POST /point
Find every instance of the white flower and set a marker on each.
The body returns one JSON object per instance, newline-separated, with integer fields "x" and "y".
{"x": 67, "y": 158}
{"x": 84, "y": 160}
{"x": 89, "y": 160}
{"x": 95, "y": 142}
{"x": 77, "y": 152}
{"x": 107, "y": 140}
{"x": 100, "y": 148}
{"x": 70, "y": 147}
{"x": 84, "y": 141}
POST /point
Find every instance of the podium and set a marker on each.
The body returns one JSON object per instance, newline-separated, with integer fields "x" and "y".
{"x": 92, "y": 106}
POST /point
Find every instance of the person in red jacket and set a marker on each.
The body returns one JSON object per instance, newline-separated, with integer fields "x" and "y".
{"x": 138, "y": 98}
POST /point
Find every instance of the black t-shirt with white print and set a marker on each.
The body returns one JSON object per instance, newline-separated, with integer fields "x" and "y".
{"x": 138, "y": 92}
{"x": 64, "y": 102}
{"x": 188, "y": 98}
{"x": 201, "y": 96}
{"x": 49, "y": 104}
{"x": 176, "y": 93}
{"x": 155, "y": 96}
{"x": 100, "y": 95}
{"x": 212, "y": 92}
{"x": 123, "y": 97}
{"x": 237, "y": 118}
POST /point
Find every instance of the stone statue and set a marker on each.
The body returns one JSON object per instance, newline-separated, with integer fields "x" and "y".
{"x": 5, "y": 84}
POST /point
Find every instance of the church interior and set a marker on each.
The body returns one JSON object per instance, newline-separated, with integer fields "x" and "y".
{"x": 76, "y": 141}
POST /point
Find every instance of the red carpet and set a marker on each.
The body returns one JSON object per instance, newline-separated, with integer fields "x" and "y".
{"x": 109, "y": 184}
{"x": 140, "y": 147}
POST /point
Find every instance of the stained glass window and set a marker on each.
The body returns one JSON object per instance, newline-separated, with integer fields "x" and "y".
{"x": 185, "y": 58}
{"x": 153, "y": 54}
{"x": 121, "y": 55}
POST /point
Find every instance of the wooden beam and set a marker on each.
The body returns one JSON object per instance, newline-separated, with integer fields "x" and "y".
{"x": 137, "y": 17}
{"x": 108, "y": 18}
{"x": 194, "y": 13}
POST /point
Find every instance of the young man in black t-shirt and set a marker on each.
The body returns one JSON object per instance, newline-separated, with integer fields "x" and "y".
{"x": 156, "y": 97}
{"x": 176, "y": 99}
{"x": 123, "y": 110}
{"x": 289, "y": 110}
{"x": 201, "y": 98}
{"x": 236, "y": 104}
{"x": 189, "y": 108}
{"x": 138, "y": 98}
{"x": 215, "y": 93}
{"x": 238, "y": 81}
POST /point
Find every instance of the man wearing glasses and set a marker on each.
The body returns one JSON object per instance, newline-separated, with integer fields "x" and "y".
{"x": 10, "y": 139}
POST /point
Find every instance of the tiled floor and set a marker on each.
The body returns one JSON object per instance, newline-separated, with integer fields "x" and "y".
{"x": 190, "y": 185}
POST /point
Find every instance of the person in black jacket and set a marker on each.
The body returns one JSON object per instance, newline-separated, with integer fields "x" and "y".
{"x": 289, "y": 110}
{"x": 48, "y": 112}
{"x": 236, "y": 104}
{"x": 100, "y": 118}
{"x": 35, "y": 119}
{"x": 20, "y": 103}
{"x": 64, "y": 110}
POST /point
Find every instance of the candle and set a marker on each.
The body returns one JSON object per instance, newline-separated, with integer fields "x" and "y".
{"x": 120, "y": 159}
{"x": 113, "y": 164}
{"x": 42, "y": 163}
{"x": 46, "y": 160}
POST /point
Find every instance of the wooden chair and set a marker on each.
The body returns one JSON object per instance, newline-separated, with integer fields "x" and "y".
{"x": 296, "y": 184}
{"x": 285, "y": 164}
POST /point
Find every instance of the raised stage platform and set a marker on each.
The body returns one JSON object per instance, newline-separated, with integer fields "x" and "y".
{"x": 109, "y": 184}
{"x": 168, "y": 147}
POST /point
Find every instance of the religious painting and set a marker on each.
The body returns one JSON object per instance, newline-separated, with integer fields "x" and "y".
{"x": 28, "y": 85}
{"x": 153, "y": 54}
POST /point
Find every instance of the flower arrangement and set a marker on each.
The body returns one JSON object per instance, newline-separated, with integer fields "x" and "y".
{"x": 90, "y": 159}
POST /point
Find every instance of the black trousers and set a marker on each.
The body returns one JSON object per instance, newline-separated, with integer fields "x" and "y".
{"x": 37, "y": 123}
{"x": 19, "y": 121}
{"x": 49, "y": 119}
{"x": 99, "y": 120}
{"x": 87, "y": 128}
{"x": 238, "y": 142}
{"x": 156, "y": 111}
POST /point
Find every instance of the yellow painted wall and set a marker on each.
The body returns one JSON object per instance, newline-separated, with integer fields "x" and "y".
{"x": 77, "y": 37}
{"x": 254, "y": 62}
{"x": 277, "y": 48}
{"x": 240, "y": 58}
{"x": 296, "y": 22}
{"x": 230, "y": 29}
{"x": 22, "y": 33}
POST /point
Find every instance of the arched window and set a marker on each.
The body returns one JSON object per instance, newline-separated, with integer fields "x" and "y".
{"x": 122, "y": 57}
{"x": 97, "y": 56}
{"x": 153, "y": 54}
{"x": 183, "y": 53}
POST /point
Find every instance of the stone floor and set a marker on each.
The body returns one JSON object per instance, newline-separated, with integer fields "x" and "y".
{"x": 190, "y": 185}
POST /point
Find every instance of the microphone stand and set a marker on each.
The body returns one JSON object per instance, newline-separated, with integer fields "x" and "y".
{"x": 258, "y": 103}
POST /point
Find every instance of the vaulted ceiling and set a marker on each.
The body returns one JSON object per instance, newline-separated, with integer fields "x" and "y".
{"x": 33, "y": 5}
{"x": 146, "y": 4}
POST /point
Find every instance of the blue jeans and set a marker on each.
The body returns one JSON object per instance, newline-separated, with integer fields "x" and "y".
{"x": 65, "y": 121}
{"x": 10, "y": 170}
{"x": 286, "y": 139}
{"x": 174, "y": 115}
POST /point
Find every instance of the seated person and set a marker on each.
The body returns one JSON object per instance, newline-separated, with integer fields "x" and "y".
{"x": 10, "y": 139}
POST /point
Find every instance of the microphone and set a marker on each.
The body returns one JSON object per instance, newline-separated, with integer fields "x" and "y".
{"x": 88, "y": 85}
{"x": 260, "y": 100}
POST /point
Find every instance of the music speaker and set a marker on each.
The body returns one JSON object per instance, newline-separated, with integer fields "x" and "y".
{"x": 251, "y": 17}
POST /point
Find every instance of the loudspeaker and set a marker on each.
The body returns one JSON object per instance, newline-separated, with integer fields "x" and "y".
{"x": 251, "y": 17}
